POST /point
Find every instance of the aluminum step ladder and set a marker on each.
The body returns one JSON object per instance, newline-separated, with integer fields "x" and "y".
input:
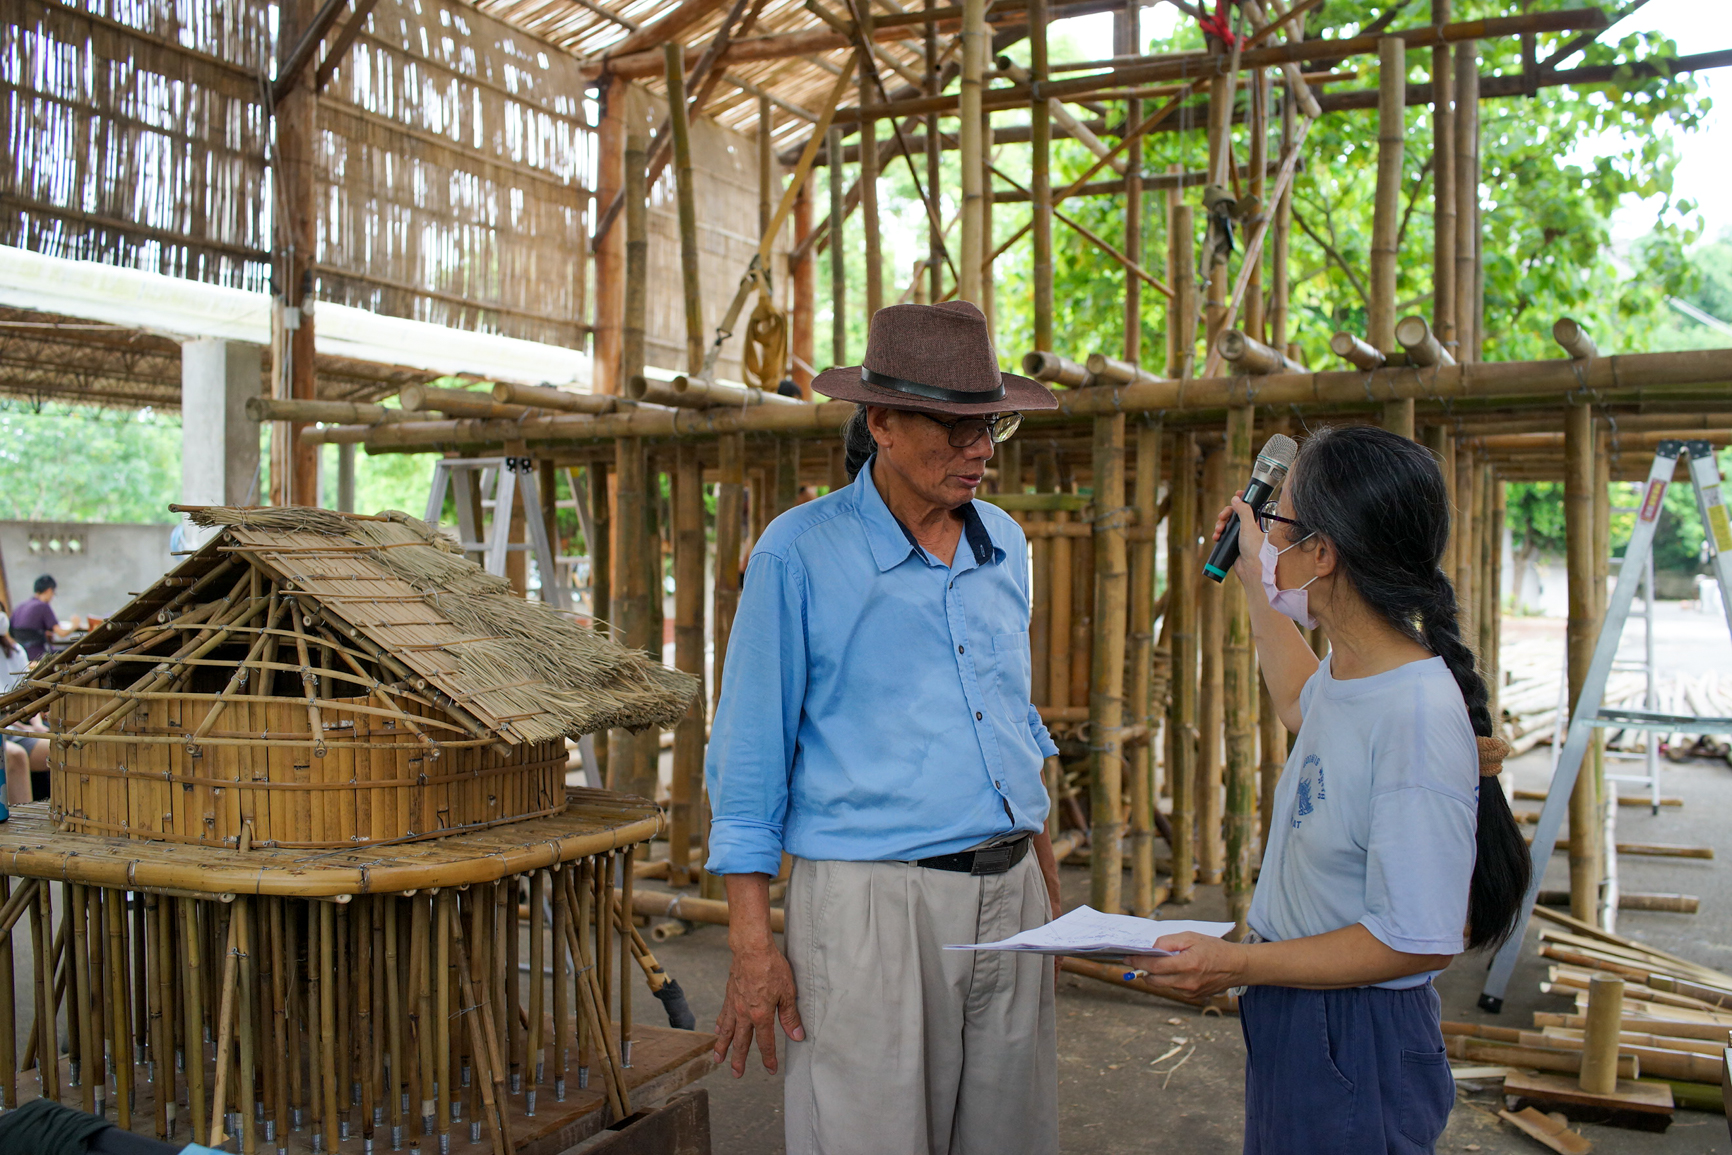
{"x": 1590, "y": 714}
{"x": 497, "y": 483}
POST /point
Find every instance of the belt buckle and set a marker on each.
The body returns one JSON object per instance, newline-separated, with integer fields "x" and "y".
{"x": 993, "y": 859}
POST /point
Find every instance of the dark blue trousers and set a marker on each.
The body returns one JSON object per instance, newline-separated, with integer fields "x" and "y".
{"x": 1350, "y": 1072}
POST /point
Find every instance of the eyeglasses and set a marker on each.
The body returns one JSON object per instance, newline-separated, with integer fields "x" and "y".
{"x": 1267, "y": 515}
{"x": 965, "y": 431}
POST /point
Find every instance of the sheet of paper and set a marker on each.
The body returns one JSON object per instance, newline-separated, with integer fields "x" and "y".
{"x": 1086, "y": 930}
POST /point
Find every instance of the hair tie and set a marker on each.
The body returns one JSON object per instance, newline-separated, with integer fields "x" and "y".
{"x": 1492, "y": 752}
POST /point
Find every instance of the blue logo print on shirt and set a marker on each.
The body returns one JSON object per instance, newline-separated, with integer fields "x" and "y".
{"x": 1305, "y": 803}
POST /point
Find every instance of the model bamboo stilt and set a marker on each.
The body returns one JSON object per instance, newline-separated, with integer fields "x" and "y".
{"x": 1581, "y": 635}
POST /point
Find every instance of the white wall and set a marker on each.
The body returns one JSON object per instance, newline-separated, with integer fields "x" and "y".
{"x": 98, "y": 566}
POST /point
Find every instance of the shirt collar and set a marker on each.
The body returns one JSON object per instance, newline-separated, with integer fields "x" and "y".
{"x": 891, "y": 541}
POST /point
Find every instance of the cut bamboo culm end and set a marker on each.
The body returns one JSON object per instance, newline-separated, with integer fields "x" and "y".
{"x": 1574, "y": 339}
{"x": 1600, "y": 1040}
{"x": 1111, "y": 371}
{"x": 1248, "y": 355}
{"x": 1356, "y": 352}
{"x": 1423, "y": 348}
{"x": 1043, "y": 366}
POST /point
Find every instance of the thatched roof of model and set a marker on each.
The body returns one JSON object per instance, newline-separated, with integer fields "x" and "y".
{"x": 387, "y": 598}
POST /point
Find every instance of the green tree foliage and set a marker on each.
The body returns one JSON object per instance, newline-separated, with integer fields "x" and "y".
{"x": 81, "y": 463}
{"x": 1534, "y": 513}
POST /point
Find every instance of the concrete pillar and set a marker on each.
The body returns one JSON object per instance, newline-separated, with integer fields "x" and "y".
{"x": 219, "y": 446}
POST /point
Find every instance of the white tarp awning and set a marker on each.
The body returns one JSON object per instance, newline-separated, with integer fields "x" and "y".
{"x": 183, "y": 309}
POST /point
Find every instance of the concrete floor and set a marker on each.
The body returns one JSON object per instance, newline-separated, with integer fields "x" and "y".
{"x": 1115, "y": 1099}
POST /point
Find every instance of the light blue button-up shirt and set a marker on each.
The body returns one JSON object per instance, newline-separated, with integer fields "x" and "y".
{"x": 875, "y": 702}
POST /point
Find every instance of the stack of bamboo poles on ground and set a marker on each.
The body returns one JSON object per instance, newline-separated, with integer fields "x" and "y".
{"x": 1673, "y": 1024}
{"x": 322, "y": 1025}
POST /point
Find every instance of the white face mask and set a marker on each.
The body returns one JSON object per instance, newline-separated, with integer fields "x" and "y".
{"x": 1295, "y": 604}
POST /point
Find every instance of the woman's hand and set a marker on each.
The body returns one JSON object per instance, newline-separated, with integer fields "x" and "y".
{"x": 1249, "y": 567}
{"x": 1200, "y": 966}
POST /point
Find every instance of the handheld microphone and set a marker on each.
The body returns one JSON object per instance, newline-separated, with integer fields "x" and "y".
{"x": 1266, "y": 477}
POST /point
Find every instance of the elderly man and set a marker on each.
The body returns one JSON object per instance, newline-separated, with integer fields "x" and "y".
{"x": 875, "y": 723}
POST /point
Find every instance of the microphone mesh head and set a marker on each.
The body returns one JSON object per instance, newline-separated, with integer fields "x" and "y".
{"x": 1275, "y": 459}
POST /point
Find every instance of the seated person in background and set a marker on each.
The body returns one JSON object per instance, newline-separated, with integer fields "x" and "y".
{"x": 21, "y": 753}
{"x": 36, "y": 622}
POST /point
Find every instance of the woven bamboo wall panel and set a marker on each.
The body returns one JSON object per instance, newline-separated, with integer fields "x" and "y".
{"x": 138, "y": 136}
{"x": 455, "y": 166}
{"x": 375, "y": 782}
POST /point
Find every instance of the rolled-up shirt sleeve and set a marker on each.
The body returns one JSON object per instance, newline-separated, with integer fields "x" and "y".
{"x": 1048, "y": 748}
{"x": 753, "y": 734}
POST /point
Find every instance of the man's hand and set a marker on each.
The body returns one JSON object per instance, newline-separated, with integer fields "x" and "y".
{"x": 1199, "y": 966}
{"x": 760, "y": 991}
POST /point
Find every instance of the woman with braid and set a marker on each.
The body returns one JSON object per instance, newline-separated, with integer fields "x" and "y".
{"x": 1391, "y": 847}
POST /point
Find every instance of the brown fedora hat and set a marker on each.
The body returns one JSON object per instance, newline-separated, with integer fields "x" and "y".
{"x": 934, "y": 359}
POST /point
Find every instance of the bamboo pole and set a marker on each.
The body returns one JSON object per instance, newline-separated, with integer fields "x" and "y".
{"x": 284, "y": 924}
{"x": 935, "y": 247}
{"x": 975, "y": 243}
{"x": 988, "y": 283}
{"x": 327, "y": 964}
{"x": 1443, "y": 184}
{"x": 89, "y": 1052}
{"x": 537, "y": 987}
{"x": 561, "y": 979}
{"x": 1257, "y": 130}
{"x": 872, "y": 250}
{"x": 1040, "y": 180}
{"x": 1465, "y": 456}
{"x": 9, "y": 1007}
{"x": 1040, "y": 603}
{"x": 1280, "y": 288}
{"x": 1140, "y": 692}
{"x": 1060, "y": 614}
{"x": 342, "y": 988}
{"x": 601, "y": 581}
{"x": 425, "y": 1020}
{"x": 1386, "y": 223}
{"x": 1182, "y": 240}
{"x": 441, "y": 1024}
{"x": 686, "y": 197}
{"x": 1125, "y": 33}
{"x": 1599, "y": 1073}
{"x": 193, "y": 1003}
{"x": 1466, "y": 166}
{"x": 1580, "y": 636}
{"x": 1212, "y": 634}
{"x": 1239, "y": 699}
{"x": 515, "y": 1043}
{"x": 483, "y": 1039}
{"x": 838, "y": 260}
{"x": 1182, "y": 579}
{"x": 42, "y": 963}
{"x": 1107, "y": 672}
{"x": 247, "y": 977}
{"x": 625, "y": 1018}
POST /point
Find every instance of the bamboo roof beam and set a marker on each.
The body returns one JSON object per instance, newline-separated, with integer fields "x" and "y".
{"x": 1610, "y": 376}
{"x": 1206, "y": 64}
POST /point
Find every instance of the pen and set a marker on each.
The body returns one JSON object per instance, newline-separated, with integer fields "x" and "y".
{"x": 1129, "y": 975}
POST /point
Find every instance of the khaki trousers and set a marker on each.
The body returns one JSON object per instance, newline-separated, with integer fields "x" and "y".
{"x": 911, "y": 1049}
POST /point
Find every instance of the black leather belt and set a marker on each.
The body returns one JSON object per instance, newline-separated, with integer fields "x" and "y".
{"x": 989, "y": 860}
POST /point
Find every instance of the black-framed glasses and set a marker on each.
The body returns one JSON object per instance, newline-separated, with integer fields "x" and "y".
{"x": 965, "y": 431}
{"x": 1266, "y": 516}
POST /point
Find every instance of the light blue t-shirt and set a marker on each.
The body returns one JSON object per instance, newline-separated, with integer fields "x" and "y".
{"x": 1375, "y": 814}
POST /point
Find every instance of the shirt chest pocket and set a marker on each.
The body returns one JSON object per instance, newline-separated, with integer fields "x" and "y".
{"x": 1010, "y": 671}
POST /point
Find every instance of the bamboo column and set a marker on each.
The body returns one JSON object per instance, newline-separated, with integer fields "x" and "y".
{"x": 869, "y": 177}
{"x": 632, "y": 757}
{"x": 974, "y": 243}
{"x": 610, "y": 140}
{"x": 1463, "y": 547}
{"x": 1125, "y": 43}
{"x": 838, "y": 259}
{"x": 1181, "y": 625}
{"x": 1486, "y": 613}
{"x": 988, "y": 283}
{"x": 1212, "y": 637}
{"x": 1140, "y": 692}
{"x": 730, "y": 519}
{"x": 1040, "y": 608}
{"x": 1182, "y": 239}
{"x": 935, "y": 247}
{"x": 1280, "y": 287}
{"x": 1602, "y": 549}
{"x": 601, "y": 579}
{"x": 1439, "y": 440}
{"x": 1222, "y": 91}
{"x": 1238, "y": 697}
{"x": 294, "y": 466}
{"x": 1466, "y": 165}
{"x": 800, "y": 338}
{"x": 1386, "y": 219}
{"x": 1040, "y": 179}
{"x": 686, "y": 196}
{"x": 1579, "y": 535}
{"x": 689, "y": 550}
{"x": 1107, "y": 675}
{"x": 1257, "y": 130}
{"x": 1443, "y": 184}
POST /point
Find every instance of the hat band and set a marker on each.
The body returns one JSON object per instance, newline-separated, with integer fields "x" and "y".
{"x": 933, "y": 392}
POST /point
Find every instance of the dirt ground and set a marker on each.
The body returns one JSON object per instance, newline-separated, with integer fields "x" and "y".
{"x": 1118, "y": 1094}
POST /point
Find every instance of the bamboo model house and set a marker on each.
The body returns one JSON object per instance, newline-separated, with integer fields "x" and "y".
{"x": 310, "y": 875}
